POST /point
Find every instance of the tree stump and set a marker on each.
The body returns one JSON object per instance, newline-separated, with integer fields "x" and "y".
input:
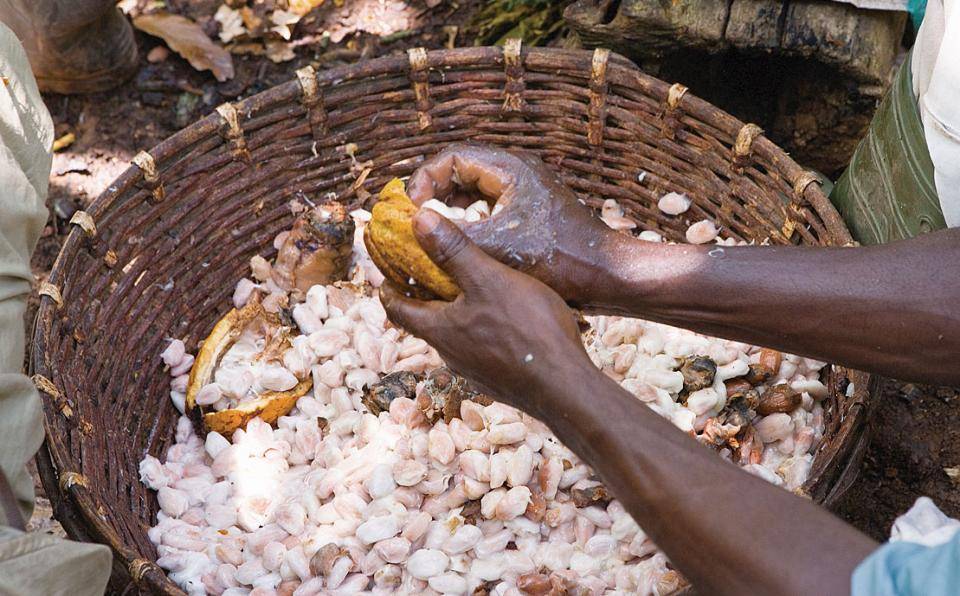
{"x": 809, "y": 72}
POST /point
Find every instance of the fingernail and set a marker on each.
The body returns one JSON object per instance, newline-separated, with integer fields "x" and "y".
{"x": 426, "y": 221}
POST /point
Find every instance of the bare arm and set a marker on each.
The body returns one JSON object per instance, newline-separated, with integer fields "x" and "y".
{"x": 730, "y": 532}
{"x": 892, "y": 309}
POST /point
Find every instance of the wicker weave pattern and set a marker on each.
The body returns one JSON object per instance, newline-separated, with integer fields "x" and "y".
{"x": 158, "y": 253}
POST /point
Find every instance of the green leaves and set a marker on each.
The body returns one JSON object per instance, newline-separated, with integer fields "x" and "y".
{"x": 536, "y": 22}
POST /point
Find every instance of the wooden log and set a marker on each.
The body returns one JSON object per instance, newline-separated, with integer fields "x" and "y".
{"x": 860, "y": 43}
{"x": 701, "y": 22}
{"x": 809, "y": 72}
{"x": 755, "y": 24}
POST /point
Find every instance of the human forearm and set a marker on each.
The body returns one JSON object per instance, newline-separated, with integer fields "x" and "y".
{"x": 728, "y": 531}
{"x": 890, "y": 309}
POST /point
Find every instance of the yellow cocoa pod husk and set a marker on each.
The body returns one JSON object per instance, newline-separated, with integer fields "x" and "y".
{"x": 395, "y": 251}
{"x": 268, "y": 406}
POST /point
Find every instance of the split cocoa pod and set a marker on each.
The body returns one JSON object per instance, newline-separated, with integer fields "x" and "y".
{"x": 269, "y": 405}
{"x": 395, "y": 251}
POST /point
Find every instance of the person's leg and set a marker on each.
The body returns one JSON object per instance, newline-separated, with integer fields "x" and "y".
{"x": 26, "y": 136}
{"x": 35, "y": 562}
{"x": 74, "y": 46}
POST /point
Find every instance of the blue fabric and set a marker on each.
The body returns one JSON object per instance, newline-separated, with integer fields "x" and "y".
{"x": 907, "y": 569}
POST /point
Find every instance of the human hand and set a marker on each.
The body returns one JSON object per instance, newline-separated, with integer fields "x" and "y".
{"x": 506, "y": 332}
{"x": 542, "y": 230}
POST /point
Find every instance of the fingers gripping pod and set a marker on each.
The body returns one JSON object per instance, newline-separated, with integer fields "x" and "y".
{"x": 393, "y": 247}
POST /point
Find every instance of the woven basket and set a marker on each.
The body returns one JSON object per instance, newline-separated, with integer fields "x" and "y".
{"x": 158, "y": 254}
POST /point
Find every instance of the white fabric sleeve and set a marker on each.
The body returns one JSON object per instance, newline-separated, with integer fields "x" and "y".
{"x": 936, "y": 78}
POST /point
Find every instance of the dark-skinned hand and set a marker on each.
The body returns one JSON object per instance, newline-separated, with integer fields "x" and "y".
{"x": 504, "y": 326}
{"x": 731, "y": 533}
{"x": 543, "y": 230}
{"x": 516, "y": 339}
{"x": 888, "y": 296}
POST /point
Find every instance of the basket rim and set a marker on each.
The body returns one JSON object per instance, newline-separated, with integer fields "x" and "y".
{"x": 53, "y": 457}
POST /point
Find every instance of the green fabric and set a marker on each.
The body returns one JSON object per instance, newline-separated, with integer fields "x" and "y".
{"x": 36, "y": 563}
{"x": 30, "y": 564}
{"x": 887, "y": 192}
{"x": 26, "y": 136}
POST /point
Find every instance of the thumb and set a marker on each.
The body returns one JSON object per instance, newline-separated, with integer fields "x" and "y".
{"x": 449, "y": 247}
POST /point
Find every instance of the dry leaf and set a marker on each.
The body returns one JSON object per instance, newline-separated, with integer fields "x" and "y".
{"x": 127, "y": 6}
{"x": 158, "y": 54}
{"x": 283, "y": 19}
{"x": 279, "y": 51}
{"x": 302, "y": 7}
{"x": 186, "y": 38}
{"x": 250, "y": 48}
{"x": 953, "y": 474}
{"x": 231, "y": 23}
{"x": 250, "y": 19}
{"x": 451, "y": 31}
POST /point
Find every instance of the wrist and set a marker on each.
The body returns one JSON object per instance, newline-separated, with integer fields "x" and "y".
{"x": 561, "y": 386}
{"x": 645, "y": 279}
{"x": 580, "y": 404}
{"x": 610, "y": 272}
{"x": 586, "y": 266}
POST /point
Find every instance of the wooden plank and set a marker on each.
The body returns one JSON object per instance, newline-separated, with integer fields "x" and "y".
{"x": 657, "y": 27}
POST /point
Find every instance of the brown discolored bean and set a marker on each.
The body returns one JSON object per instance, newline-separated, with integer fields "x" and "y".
{"x": 779, "y": 398}
{"x": 758, "y": 374}
{"x": 535, "y": 584}
{"x": 377, "y": 397}
{"x": 737, "y": 387}
{"x": 770, "y": 359}
{"x": 595, "y": 495}
{"x": 322, "y": 562}
{"x": 698, "y": 372}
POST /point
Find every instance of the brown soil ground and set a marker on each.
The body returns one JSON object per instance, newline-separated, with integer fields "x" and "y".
{"x": 915, "y": 435}
{"x": 916, "y": 431}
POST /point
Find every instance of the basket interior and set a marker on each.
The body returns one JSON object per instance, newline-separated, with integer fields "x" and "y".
{"x": 160, "y": 267}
